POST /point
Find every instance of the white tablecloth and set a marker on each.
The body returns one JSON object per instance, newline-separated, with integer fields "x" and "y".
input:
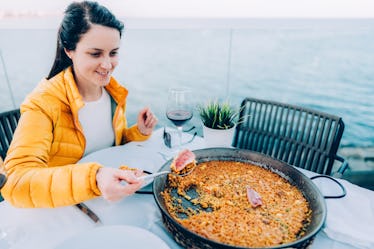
{"x": 47, "y": 228}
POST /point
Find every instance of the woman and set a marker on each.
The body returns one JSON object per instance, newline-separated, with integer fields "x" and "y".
{"x": 77, "y": 109}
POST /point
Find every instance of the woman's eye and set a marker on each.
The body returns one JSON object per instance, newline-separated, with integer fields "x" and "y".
{"x": 95, "y": 54}
{"x": 113, "y": 53}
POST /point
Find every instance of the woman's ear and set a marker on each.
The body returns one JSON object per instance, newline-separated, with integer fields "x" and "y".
{"x": 68, "y": 53}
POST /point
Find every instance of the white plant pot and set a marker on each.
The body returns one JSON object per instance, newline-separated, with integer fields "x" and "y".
{"x": 218, "y": 138}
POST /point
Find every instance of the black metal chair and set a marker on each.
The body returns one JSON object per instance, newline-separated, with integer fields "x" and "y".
{"x": 8, "y": 124}
{"x": 299, "y": 136}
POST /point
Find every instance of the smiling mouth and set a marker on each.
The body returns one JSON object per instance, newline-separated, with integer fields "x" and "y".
{"x": 103, "y": 74}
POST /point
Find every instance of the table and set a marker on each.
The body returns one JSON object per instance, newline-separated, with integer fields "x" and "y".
{"x": 46, "y": 228}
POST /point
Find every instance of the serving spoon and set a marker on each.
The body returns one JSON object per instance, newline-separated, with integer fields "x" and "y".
{"x": 177, "y": 167}
{"x": 153, "y": 175}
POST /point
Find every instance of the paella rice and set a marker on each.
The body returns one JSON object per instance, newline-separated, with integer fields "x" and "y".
{"x": 224, "y": 213}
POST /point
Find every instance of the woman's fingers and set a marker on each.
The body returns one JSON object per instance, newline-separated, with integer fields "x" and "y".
{"x": 146, "y": 121}
{"x": 116, "y": 184}
{"x": 150, "y": 119}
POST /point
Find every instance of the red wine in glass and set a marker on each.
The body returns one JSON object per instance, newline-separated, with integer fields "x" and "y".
{"x": 179, "y": 108}
{"x": 179, "y": 117}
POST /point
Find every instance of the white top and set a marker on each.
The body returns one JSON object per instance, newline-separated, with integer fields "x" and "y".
{"x": 96, "y": 121}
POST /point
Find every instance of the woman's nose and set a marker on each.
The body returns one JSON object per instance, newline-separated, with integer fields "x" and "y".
{"x": 106, "y": 63}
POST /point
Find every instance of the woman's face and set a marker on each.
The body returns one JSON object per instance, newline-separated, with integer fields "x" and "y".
{"x": 95, "y": 56}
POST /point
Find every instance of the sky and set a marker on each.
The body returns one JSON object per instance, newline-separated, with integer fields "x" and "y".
{"x": 208, "y": 8}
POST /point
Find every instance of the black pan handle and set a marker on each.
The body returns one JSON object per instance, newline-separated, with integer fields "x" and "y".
{"x": 147, "y": 192}
{"x": 344, "y": 192}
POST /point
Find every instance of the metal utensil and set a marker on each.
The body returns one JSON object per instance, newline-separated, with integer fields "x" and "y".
{"x": 189, "y": 141}
{"x": 147, "y": 177}
{"x": 167, "y": 137}
{"x": 189, "y": 129}
{"x": 83, "y": 207}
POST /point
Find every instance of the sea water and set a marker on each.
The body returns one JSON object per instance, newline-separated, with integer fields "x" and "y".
{"x": 327, "y": 65}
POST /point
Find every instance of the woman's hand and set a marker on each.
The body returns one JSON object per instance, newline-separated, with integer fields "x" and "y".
{"x": 116, "y": 184}
{"x": 146, "y": 121}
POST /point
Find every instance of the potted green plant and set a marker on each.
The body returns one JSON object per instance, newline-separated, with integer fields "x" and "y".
{"x": 219, "y": 121}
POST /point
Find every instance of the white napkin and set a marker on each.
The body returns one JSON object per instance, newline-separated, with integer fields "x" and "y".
{"x": 351, "y": 219}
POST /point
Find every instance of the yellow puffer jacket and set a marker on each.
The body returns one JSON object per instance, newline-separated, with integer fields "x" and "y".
{"x": 48, "y": 142}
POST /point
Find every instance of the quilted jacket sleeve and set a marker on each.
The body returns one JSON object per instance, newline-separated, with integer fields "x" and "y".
{"x": 126, "y": 134}
{"x": 32, "y": 180}
{"x": 133, "y": 134}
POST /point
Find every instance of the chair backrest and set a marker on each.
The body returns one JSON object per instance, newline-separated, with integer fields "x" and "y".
{"x": 8, "y": 124}
{"x": 299, "y": 136}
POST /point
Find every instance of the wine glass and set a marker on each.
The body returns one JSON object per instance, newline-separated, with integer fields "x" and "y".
{"x": 179, "y": 108}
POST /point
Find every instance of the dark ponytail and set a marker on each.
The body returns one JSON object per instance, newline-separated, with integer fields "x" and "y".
{"x": 79, "y": 16}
